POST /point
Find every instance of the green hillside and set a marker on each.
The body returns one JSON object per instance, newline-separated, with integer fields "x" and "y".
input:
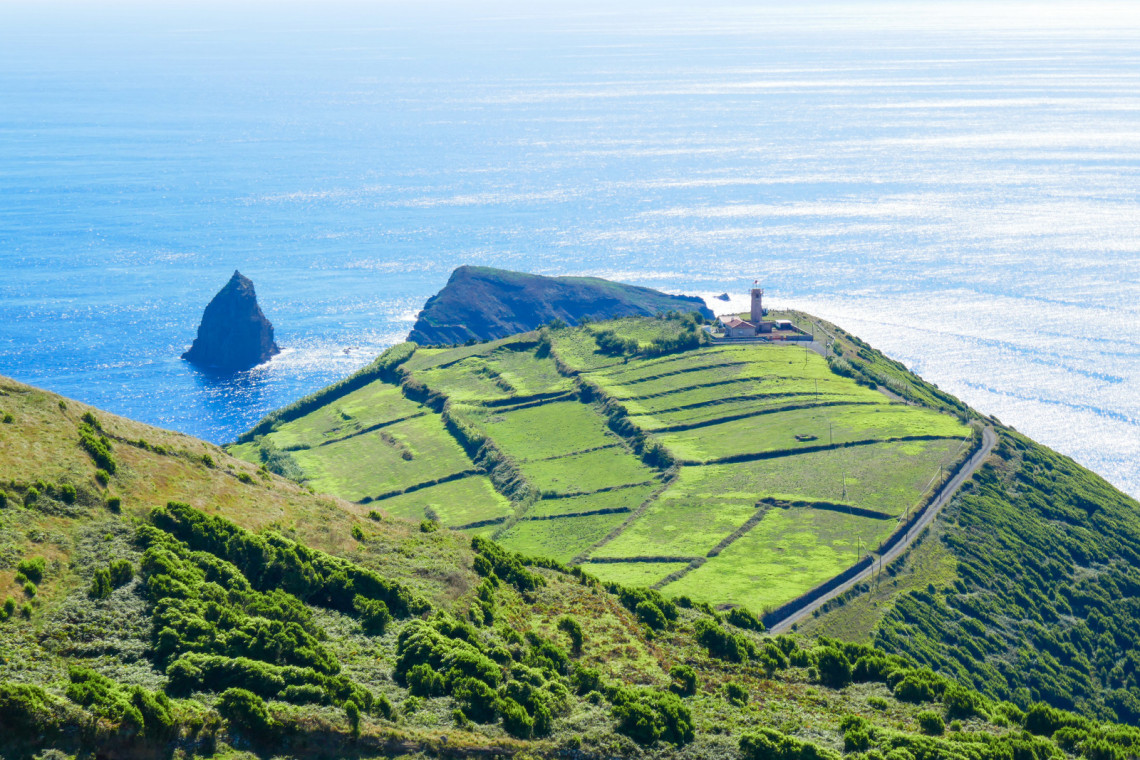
{"x": 638, "y": 448}
{"x": 166, "y": 600}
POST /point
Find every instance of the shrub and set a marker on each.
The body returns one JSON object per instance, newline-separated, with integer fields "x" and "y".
{"x": 834, "y": 667}
{"x": 357, "y": 533}
{"x": 919, "y": 685}
{"x": 684, "y": 680}
{"x": 428, "y": 526}
{"x": 67, "y": 493}
{"x": 960, "y": 702}
{"x": 878, "y": 703}
{"x": 424, "y": 681}
{"x": 931, "y": 723}
{"x": 26, "y": 710}
{"x": 374, "y": 515}
{"x": 352, "y": 713}
{"x": 31, "y": 495}
{"x": 571, "y": 628}
{"x": 722, "y": 644}
{"x": 102, "y": 476}
{"x": 115, "y": 504}
{"x": 374, "y": 614}
{"x": 206, "y": 460}
{"x": 121, "y": 572}
{"x": 246, "y": 478}
{"x": 770, "y": 744}
{"x": 648, "y": 613}
{"x": 736, "y": 694}
{"x": 98, "y": 447}
{"x": 3, "y": 500}
{"x": 101, "y": 584}
{"x": 477, "y": 700}
{"x": 33, "y": 568}
{"x": 742, "y": 618}
{"x": 30, "y": 590}
{"x": 26, "y": 611}
{"x": 245, "y": 711}
{"x": 516, "y": 721}
{"x": 647, "y": 715}
{"x": 9, "y": 608}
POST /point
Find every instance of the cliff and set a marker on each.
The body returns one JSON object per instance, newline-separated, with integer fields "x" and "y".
{"x": 483, "y": 303}
{"x": 234, "y": 334}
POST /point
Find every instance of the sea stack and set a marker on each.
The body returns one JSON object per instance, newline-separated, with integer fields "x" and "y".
{"x": 234, "y": 334}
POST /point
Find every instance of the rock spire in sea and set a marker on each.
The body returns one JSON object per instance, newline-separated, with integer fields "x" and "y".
{"x": 234, "y": 334}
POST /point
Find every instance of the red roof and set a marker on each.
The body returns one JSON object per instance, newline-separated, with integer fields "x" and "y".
{"x": 738, "y": 322}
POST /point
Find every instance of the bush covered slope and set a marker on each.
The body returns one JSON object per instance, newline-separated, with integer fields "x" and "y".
{"x": 269, "y": 620}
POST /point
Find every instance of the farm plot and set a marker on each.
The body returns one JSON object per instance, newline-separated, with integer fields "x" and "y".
{"x": 469, "y": 380}
{"x": 591, "y": 471}
{"x": 632, "y": 574}
{"x": 789, "y": 552}
{"x": 884, "y": 477}
{"x": 364, "y": 408}
{"x": 559, "y": 539}
{"x": 546, "y": 430}
{"x": 455, "y": 503}
{"x": 390, "y": 459}
{"x": 805, "y": 428}
{"x": 675, "y": 525}
{"x": 622, "y": 498}
{"x": 527, "y": 373}
{"x": 712, "y": 413}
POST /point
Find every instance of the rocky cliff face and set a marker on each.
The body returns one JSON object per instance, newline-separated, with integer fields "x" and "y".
{"x": 234, "y": 334}
{"x": 481, "y": 303}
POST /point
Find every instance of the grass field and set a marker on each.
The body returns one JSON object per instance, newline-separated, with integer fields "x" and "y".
{"x": 372, "y": 464}
{"x": 787, "y": 553}
{"x": 678, "y": 527}
{"x": 625, "y": 498}
{"x": 885, "y": 477}
{"x": 374, "y": 404}
{"x": 539, "y": 432}
{"x": 581, "y": 473}
{"x": 634, "y": 574}
{"x": 561, "y": 539}
{"x": 825, "y": 425}
{"x": 527, "y": 373}
{"x": 455, "y": 503}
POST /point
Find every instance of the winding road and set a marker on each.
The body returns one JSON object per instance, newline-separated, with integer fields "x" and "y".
{"x": 989, "y": 440}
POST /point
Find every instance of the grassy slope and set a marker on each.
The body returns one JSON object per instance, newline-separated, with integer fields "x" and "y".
{"x": 113, "y": 636}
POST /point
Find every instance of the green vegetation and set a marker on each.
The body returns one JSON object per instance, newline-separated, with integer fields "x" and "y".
{"x": 631, "y": 440}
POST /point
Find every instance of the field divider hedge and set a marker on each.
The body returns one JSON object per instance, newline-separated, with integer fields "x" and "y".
{"x": 728, "y": 400}
{"x": 779, "y": 453}
{"x": 576, "y": 453}
{"x": 513, "y": 403}
{"x": 480, "y": 523}
{"x": 762, "y": 509}
{"x": 658, "y": 558}
{"x": 699, "y": 386}
{"x": 590, "y": 513}
{"x": 607, "y": 489}
{"x": 420, "y": 486}
{"x": 685, "y": 371}
{"x": 677, "y": 575}
{"x": 670, "y": 477}
{"x": 758, "y": 413}
{"x": 830, "y": 506}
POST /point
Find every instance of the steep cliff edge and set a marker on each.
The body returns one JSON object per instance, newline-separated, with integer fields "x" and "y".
{"x": 234, "y": 334}
{"x": 483, "y": 303}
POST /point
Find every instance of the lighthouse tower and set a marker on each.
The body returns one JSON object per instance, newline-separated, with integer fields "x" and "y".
{"x": 757, "y": 305}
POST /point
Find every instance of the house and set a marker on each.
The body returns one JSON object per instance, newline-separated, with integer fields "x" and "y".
{"x": 735, "y": 327}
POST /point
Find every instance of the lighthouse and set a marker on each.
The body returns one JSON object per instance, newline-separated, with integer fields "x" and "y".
{"x": 757, "y": 305}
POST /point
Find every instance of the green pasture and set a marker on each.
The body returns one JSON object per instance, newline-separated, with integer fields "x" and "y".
{"x": 375, "y": 403}
{"x": 884, "y": 477}
{"x": 693, "y": 389}
{"x": 735, "y": 372}
{"x": 632, "y": 574}
{"x": 837, "y": 424}
{"x": 457, "y": 502}
{"x": 369, "y": 465}
{"x": 587, "y": 472}
{"x": 578, "y": 349}
{"x": 712, "y": 413}
{"x": 629, "y": 498}
{"x": 466, "y": 381}
{"x": 426, "y": 358}
{"x": 789, "y": 552}
{"x": 542, "y": 431}
{"x": 527, "y": 373}
{"x": 680, "y": 527}
{"x": 559, "y": 539}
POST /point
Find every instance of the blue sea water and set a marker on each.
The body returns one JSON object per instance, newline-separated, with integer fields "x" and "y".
{"x": 957, "y": 182}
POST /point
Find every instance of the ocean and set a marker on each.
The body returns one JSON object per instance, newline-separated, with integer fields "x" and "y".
{"x": 958, "y": 183}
